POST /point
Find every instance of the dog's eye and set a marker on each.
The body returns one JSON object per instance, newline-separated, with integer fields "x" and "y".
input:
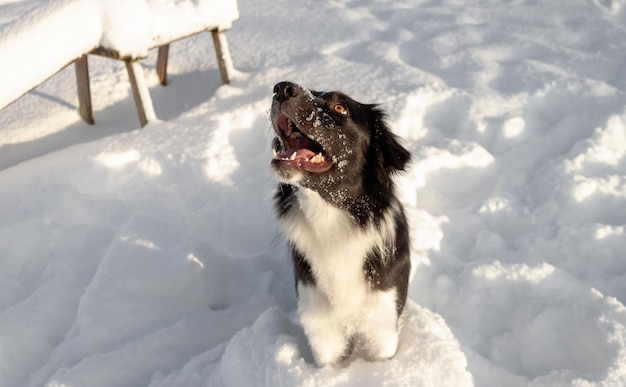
{"x": 339, "y": 108}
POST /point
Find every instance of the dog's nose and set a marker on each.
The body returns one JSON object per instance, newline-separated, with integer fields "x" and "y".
{"x": 285, "y": 90}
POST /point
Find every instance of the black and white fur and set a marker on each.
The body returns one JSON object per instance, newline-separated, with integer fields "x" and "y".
{"x": 336, "y": 204}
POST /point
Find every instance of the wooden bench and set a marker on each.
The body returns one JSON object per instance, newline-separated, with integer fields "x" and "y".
{"x": 141, "y": 94}
{"x": 120, "y": 30}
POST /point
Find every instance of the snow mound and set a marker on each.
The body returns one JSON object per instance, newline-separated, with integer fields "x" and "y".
{"x": 274, "y": 352}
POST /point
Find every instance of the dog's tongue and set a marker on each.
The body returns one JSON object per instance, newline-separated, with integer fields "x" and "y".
{"x": 298, "y": 149}
{"x": 296, "y": 154}
{"x": 305, "y": 159}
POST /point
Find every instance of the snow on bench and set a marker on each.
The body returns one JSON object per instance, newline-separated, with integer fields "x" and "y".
{"x": 55, "y": 33}
{"x": 41, "y": 41}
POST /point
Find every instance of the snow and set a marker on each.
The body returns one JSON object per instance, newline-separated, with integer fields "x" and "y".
{"x": 152, "y": 258}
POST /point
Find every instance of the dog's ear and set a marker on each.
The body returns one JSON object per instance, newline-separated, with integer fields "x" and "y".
{"x": 392, "y": 155}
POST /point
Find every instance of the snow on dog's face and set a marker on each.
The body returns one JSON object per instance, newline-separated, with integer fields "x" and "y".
{"x": 323, "y": 139}
{"x": 317, "y": 135}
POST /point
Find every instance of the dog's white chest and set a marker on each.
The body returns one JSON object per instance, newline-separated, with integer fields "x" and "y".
{"x": 335, "y": 248}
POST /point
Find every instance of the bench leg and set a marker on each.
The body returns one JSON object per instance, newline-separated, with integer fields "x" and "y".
{"x": 224, "y": 61}
{"x": 84, "y": 92}
{"x": 141, "y": 94}
{"x": 162, "y": 63}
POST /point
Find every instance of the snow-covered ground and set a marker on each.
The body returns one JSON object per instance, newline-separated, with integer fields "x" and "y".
{"x": 151, "y": 257}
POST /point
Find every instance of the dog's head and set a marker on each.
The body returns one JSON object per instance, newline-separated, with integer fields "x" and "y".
{"x": 331, "y": 143}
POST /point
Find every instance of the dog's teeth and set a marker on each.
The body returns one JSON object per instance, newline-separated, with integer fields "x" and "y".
{"x": 318, "y": 158}
{"x": 293, "y": 156}
{"x": 274, "y": 153}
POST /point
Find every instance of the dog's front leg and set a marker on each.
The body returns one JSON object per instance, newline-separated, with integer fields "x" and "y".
{"x": 326, "y": 335}
{"x": 380, "y": 325}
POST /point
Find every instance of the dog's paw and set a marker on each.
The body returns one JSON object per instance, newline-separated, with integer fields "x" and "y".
{"x": 329, "y": 348}
{"x": 383, "y": 345}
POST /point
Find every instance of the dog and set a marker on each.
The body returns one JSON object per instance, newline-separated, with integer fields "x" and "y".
{"x": 334, "y": 159}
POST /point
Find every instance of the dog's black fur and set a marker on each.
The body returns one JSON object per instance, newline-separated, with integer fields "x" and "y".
{"x": 335, "y": 159}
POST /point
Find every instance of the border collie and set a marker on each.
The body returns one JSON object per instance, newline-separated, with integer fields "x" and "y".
{"x": 336, "y": 204}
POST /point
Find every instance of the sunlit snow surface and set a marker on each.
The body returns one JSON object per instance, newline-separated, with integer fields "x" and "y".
{"x": 151, "y": 257}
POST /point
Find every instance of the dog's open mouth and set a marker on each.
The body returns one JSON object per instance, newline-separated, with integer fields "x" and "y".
{"x": 300, "y": 151}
